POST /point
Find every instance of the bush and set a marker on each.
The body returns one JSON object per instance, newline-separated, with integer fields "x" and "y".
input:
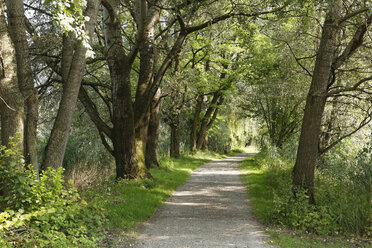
{"x": 343, "y": 191}
{"x": 42, "y": 212}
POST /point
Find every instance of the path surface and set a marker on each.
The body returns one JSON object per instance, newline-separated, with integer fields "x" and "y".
{"x": 210, "y": 210}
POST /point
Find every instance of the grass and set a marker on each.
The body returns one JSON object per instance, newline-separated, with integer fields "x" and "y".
{"x": 128, "y": 203}
{"x": 261, "y": 195}
{"x": 294, "y": 239}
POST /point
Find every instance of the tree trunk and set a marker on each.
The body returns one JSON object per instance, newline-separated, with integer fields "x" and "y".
{"x": 175, "y": 140}
{"x": 149, "y": 18}
{"x": 17, "y": 27}
{"x": 141, "y": 137}
{"x": 11, "y": 99}
{"x": 207, "y": 120}
{"x": 123, "y": 125}
{"x": 303, "y": 171}
{"x": 148, "y": 61}
{"x": 195, "y": 122}
{"x": 73, "y": 67}
{"x": 123, "y": 131}
{"x": 153, "y": 133}
{"x": 327, "y": 134}
{"x": 204, "y": 146}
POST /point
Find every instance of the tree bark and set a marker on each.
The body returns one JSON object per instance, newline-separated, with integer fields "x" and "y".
{"x": 204, "y": 146}
{"x": 123, "y": 131}
{"x": 123, "y": 124}
{"x": 153, "y": 132}
{"x": 148, "y": 18}
{"x": 73, "y": 67}
{"x": 175, "y": 140}
{"x": 148, "y": 61}
{"x": 141, "y": 138}
{"x": 208, "y": 119}
{"x": 17, "y": 27}
{"x": 195, "y": 123}
{"x": 11, "y": 99}
{"x": 303, "y": 171}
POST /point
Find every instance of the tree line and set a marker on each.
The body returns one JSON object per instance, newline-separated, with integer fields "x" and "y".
{"x": 297, "y": 67}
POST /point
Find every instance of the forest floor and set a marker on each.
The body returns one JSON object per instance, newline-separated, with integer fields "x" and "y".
{"x": 211, "y": 209}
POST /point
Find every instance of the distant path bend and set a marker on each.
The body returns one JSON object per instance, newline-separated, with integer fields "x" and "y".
{"x": 210, "y": 210}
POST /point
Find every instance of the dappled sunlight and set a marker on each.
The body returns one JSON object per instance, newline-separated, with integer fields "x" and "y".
{"x": 216, "y": 172}
{"x": 187, "y": 204}
{"x": 210, "y": 210}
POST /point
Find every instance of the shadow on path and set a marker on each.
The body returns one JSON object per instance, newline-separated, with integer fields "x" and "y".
{"x": 210, "y": 210}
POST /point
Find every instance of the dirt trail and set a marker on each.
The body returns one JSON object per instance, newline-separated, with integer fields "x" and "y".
{"x": 210, "y": 210}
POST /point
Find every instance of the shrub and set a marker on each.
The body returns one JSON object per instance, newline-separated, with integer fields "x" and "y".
{"x": 343, "y": 191}
{"x": 42, "y": 212}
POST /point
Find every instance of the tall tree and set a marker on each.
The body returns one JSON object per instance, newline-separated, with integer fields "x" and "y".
{"x": 73, "y": 67}
{"x": 131, "y": 108}
{"x": 324, "y": 75}
{"x": 17, "y": 28}
{"x": 11, "y": 99}
{"x": 303, "y": 171}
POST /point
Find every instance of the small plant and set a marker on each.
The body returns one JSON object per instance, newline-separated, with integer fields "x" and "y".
{"x": 42, "y": 212}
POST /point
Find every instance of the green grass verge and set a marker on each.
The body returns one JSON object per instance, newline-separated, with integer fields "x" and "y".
{"x": 127, "y": 203}
{"x": 294, "y": 239}
{"x": 261, "y": 196}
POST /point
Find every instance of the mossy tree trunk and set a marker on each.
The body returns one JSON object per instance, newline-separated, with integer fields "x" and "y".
{"x": 153, "y": 132}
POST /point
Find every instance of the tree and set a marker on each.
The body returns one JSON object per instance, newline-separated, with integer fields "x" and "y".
{"x": 271, "y": 90}
{"x": 322, "y": 79}
{"x": 175, "y": 86}
{"x": 72, "y": 71}
{"x": 11, "y": 99}
{"x": 17, "y": 27}
{"x": 131, "y": 108}
{"x": 151, "y": 155}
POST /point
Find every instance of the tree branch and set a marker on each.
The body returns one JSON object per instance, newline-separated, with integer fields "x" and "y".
{"x": 354, "y": 44}
{"x": 231, "y": 14}
{"x": 353, "y": 88}
{"x": 352, "y": 14}
{"x": 92, "y": 111}
{"x": 105, "y": 144}
{"x": 361, "y": 125}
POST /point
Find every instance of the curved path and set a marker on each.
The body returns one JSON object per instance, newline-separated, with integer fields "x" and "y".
{"x": 210, "y": 210}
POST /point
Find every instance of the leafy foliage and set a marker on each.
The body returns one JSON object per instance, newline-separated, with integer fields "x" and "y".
{"x": 343, "y": 196}
{"x": 70, "y": 19}
{"x": 42, "y": 212}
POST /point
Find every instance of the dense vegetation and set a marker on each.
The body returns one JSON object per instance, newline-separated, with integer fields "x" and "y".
{"x": 343, "y": 190}
{"x": 110, "y": 93}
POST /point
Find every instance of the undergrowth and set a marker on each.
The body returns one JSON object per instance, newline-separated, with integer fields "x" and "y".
{"x": 48, "y": 212}
{"x": 343, "y": 195}
{"x": 45, "y": 211}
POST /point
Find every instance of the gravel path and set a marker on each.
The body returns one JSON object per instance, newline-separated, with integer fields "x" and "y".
{"x": 210, "y": 210}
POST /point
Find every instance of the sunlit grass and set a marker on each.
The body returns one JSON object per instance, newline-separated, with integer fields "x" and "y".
{"x": 261, "y": 198}
{"x": 130, "y": 202}
{"x": 253, "y": 177}
{"x": 288, "y": 239}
